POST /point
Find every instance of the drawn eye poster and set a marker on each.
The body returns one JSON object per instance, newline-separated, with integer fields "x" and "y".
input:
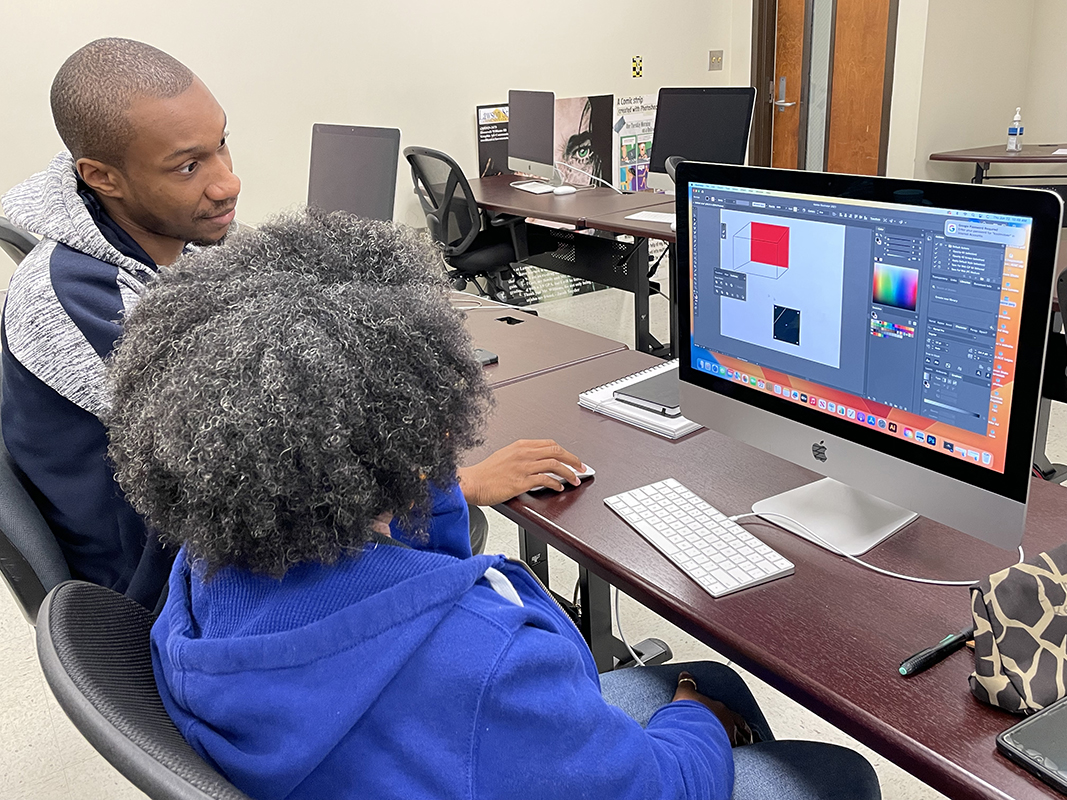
{"x": 583, "y": 138}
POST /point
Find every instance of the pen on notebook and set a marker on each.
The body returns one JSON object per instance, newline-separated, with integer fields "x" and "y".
{"x": 931, "y": 655}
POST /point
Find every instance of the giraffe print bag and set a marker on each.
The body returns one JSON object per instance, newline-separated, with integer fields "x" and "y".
{"x": 1020, "y": 638}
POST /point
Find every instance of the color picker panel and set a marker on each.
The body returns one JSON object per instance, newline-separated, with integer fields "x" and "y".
{"x": 897, "y": 287}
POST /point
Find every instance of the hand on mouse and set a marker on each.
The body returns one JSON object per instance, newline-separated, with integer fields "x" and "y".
{"x": 737, "y": 730}
{"x": 517, "y": 468}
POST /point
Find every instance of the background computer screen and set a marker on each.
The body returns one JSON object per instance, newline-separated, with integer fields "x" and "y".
{"x": 353, "y": 169}
{"x": 915, "y": 331}
{"x": 531, "y": 117}
{"x": 709, "y": 124}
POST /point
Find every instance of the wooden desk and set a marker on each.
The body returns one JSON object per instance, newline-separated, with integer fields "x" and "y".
{"x": 832, "y": 635}
{"x": 616, "y": 222}
{"x": 596, "y": 258}
{"x": 528, "y": 345}
{"x": 497, "y": 194}
{"x": 983, "y": 157}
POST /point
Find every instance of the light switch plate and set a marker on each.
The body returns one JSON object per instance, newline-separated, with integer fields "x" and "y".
{"x": 714, "y": 60}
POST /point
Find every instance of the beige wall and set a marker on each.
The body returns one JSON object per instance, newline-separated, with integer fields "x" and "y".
{"x": 974, "y": 76}
{"x": 279, "y": 67}
{"x": 1045, "y": 112}
{"x": 908, "y": 62}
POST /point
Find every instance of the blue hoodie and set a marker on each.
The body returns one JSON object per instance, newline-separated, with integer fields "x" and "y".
{"x": 408, "y": 672}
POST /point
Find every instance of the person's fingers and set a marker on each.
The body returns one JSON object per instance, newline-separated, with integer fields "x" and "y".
{"x": 544, "y": 480}
{"x": 569, "y": 458}
{"x": 685, "y": 679}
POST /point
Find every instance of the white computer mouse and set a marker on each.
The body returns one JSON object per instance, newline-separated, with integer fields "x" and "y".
{"x": 564, "y": 190}
{"x": 586, "y": 472}
{"x": 674, "y": 225}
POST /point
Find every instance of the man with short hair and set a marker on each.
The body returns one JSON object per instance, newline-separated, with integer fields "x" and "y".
{"x": 147, "y": 171}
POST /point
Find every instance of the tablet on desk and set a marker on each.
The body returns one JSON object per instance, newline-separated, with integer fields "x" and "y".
{"x": 658, "y": 393}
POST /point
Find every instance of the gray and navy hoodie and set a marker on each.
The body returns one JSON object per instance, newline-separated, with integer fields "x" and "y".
{"x": 61, "y": 320}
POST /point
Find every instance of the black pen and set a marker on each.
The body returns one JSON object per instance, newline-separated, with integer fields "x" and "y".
{"x": 931, "y": 655}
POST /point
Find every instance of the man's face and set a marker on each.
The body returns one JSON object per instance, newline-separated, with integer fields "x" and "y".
{"x": 178, "y": 180}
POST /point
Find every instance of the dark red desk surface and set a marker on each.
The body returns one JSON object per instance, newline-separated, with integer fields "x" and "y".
{"x": 497, "y": 194}
{"x": 998, "y": 154}
{"x": 832, "y": 635}
{"x": 616, "y": 222}
{"x": 532, "y": 345}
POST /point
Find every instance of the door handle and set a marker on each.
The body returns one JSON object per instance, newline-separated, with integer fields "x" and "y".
{"x": 780, "y": 103}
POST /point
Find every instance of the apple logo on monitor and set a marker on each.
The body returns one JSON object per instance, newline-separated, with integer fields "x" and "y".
{"x": 819, "y": 451}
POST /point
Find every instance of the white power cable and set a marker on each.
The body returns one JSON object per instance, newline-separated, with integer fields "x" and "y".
{"x": 852, "y": 558}
{"x": 618, "y": 624}
{"x": 611, "y": 186}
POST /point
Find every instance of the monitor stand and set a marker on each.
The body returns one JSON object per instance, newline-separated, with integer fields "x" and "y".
{"x": 847, "y": 519}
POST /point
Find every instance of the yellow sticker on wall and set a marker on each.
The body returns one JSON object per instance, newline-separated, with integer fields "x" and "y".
{"x": 638, "y": 66}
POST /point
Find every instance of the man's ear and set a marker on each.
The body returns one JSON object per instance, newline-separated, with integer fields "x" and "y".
{"x": 102, "y": 178}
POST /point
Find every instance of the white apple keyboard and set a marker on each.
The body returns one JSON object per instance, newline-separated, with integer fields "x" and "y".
{"x": 533, "y": 187}
{"x": 714, "y": 551}
{"x": 586, "y": 472}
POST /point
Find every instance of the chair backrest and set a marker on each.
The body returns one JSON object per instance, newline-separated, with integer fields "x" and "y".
{"x": 15, "y": 241}
{"x": 447, "y": 200}
{"x": 94, "y": 648}
{"x": 671, "y": 164}
{"x": 31, "y": 562}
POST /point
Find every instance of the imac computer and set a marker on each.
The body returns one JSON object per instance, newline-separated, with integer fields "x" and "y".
{"x": 701, "y": 124}
{"x": 531, "y": 128}
{"x": 888, "y": 334}
{"x": 353, "y": 169}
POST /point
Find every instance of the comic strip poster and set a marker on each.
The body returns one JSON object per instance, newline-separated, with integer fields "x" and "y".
{"x": 635, "y": 120}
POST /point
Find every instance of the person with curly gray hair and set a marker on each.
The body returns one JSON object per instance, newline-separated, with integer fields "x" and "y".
{"x": 290, "y": 408}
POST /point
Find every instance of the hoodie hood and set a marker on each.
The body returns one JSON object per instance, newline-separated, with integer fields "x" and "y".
{"x": 50, "y": 205}
{"x": 66, "y": 300}
{"x": 251, "y": 667}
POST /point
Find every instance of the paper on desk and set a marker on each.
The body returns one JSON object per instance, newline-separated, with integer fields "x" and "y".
{"x": 652, "y": 216}
{"x": 1061, "y": 152}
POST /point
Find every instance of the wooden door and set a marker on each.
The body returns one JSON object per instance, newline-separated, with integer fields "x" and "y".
{"x": 834, "y": 114}
{"x": 785, "y": 88}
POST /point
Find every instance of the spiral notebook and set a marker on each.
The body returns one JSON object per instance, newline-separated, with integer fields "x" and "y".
{"x": 601, "y": 399}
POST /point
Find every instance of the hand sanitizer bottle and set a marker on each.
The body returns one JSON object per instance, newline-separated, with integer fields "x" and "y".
{"x": 1015, "y": 133}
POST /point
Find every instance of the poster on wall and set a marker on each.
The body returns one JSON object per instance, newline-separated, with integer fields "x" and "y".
{"x": 493, "y": 140}
{"x": 635, "y": 121}
{"x": 584, "y": 139}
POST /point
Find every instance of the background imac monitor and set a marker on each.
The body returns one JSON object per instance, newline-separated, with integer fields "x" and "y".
{"x": 531, "y": 125}
{"x": 709, "y": 124}
{"x": 887, "y": 334}
{"x": 353, "y": 169}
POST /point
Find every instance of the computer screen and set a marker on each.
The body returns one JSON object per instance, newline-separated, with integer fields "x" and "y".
{"x": 888, "y": 334}
{"x": 700, "y": 124}
{"x": 353, "y": 169}
{"x": 531, "y": 125}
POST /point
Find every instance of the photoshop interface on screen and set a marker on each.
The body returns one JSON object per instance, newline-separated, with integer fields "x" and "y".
{"x": 911, "y": 308}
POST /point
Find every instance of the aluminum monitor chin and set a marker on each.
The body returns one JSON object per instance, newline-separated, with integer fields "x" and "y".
{"x": 531, "y": 125}
{"x": 700, "y": 124}
{"x": 888, "y": 334}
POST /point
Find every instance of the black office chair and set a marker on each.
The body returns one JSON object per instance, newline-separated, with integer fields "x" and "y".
{"x": 31, "y": 562}
{"x": 15, "y": 241}
{"x": 475, "y": 245}
{"x": 671, "y": 164}
{"x": 94, "y": 648}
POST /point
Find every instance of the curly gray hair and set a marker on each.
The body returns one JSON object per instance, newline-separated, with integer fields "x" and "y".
{"x": 273, "y": 395}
